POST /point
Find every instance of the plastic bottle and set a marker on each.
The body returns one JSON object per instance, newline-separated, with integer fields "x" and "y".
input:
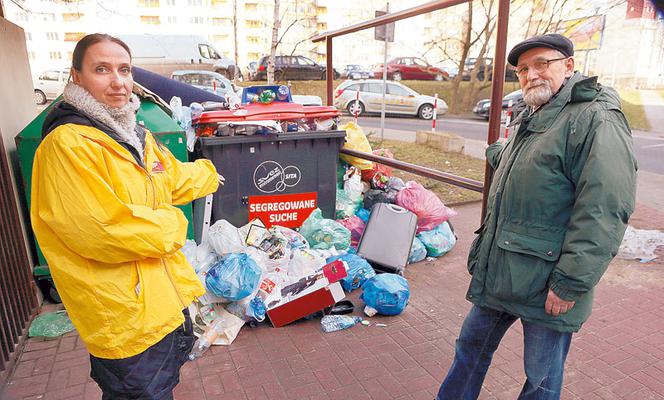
{"x": 205, "y": 341}
{"x": 333, "y": 323}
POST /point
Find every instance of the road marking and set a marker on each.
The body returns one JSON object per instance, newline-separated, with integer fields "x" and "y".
{"x": 652, "y": 146}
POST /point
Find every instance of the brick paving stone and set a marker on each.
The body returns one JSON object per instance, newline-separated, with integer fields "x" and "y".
{"x": 619, "y": 353}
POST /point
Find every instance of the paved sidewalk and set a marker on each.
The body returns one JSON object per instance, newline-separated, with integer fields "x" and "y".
{"x": 619, "y": 353}
{"x": 653, "y": 105}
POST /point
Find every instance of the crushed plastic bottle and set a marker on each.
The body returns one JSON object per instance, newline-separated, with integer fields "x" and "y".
{"x": 206, "y": 340}
{"x": 333, "y": 323}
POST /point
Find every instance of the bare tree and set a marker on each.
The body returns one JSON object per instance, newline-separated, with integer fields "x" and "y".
{"x": 275, "y": 42}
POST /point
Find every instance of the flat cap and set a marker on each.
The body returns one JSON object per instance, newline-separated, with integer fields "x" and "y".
{"x": 551, "y": 40}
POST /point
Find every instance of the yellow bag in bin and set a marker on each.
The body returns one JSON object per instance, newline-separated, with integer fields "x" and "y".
{"x": 356, "y": 140}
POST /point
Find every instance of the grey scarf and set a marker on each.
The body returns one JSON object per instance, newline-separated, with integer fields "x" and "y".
{"x": 122, "y": 120}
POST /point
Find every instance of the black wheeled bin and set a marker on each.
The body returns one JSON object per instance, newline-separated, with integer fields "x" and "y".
{"x": 279, "y": 179}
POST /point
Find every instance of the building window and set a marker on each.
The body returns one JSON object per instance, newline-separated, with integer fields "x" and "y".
{"x": 70, "y": 55}
{"x": 73, "y": 36}
{"x": 220, "y": 21}
{"x": 251, "y": 7}
{"x": 33, "y": 55}
{"x": 321, "y": 26}
{"x": 195, "y": 2}
{"x": 150, "y": 19}
{"x": 219, "y": 38}
{"x": 217, "y": 3}
{"x": 71, "y": 17}
{"x": 252, "y": 24}
{"x": 321, "y": 10}
{"x": 172, "y": 19}
{"x": 170, "y": 2}
{"x": 54, "y": 55}
{"x": 197, "y": 20}
{"x": 22, "y": 17}
{"x": 28, "y": 36}
{"x": 253, "y": 56}
{"x": 253, "y": 39}
{"x": 52, "y": 36}
{"x": 48, "y": 17}
{"x": 149, "y": 3}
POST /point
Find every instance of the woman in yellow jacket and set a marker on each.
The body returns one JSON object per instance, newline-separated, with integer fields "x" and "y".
{"x": 103, "y": 196}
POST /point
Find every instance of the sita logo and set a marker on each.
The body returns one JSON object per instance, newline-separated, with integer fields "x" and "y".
{"x": 270, "y": 177}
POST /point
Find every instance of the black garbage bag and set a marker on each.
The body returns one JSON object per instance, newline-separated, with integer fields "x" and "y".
{"x": 374, "y": 196}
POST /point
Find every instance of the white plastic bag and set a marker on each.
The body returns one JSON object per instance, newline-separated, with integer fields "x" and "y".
{"x": 640, "y": 244}
{"x": 225, "y": 238}
{"x": 304, "y": 263}
{"x": 202, "y": 316}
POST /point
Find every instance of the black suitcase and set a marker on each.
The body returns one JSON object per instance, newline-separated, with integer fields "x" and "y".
{"x": 388, "y": 237}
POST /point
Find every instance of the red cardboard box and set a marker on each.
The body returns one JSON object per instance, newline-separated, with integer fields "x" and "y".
{"x": 308, "y": 295}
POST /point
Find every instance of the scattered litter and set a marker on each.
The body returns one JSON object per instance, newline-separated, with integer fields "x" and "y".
{"x": 370, "y": 311}
{"x": 365, "y": 322}
{"x": 333, "y": 323}
{"x": 51, "y": 325}
{"x": 640, "y": 244}
{"x": 381, "y": 325}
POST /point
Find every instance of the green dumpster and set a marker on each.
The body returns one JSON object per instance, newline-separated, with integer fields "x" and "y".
{"x": 150, "y": 114}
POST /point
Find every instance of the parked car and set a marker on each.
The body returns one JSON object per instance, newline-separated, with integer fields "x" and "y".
{"x": 399, "y": 99}
{"x": 354, "y": 71}
{"x": 206, "y": 80}
{"x": 50, "y": 84}
{"x": 292, "y": 68}
{"x": 251, "y": 70}
{"x": 163, "y": 54}
{"x": 483, "y": 106}
{"x": 412, "y": 68}
{"x": 487, "y": 66}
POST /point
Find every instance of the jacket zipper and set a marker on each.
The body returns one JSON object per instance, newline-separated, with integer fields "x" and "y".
{"x": 161, "y": 260}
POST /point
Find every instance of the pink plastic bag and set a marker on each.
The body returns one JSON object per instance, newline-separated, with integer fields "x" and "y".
{"x": 356, "y": 227}
{"x": 430, "y": 211}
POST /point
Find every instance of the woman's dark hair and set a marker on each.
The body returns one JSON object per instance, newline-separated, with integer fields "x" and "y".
{"x": 89, "y": 40}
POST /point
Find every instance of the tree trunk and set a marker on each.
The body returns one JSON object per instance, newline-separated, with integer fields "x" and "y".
{"x": 237, "y": 65}
{"x": 455, "y": 103}
{"x": 274, "y": 44}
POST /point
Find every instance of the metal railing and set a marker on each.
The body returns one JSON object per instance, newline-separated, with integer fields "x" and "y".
{"x": 496, "y": 83}
{"x": 466, "y": 183}
{"x": 18, "y": 301}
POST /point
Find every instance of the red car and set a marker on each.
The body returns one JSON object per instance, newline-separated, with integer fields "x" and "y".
{"x": 411, "y": 68}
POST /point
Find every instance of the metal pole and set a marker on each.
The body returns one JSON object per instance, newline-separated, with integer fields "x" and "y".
{"x": 435, "y": 113}
{"x": 329, "y": 71}
{"x": 382, "y": 106}
{"x": 496, "y": 91}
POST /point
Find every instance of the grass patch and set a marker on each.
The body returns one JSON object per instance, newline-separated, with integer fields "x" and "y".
{"x": 454, "y": 163}
{"x": 632, "y": 106}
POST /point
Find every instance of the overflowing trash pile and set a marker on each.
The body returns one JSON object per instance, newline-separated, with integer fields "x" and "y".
{"x": 362, "y": 184}
{"x": 262, "y": 110}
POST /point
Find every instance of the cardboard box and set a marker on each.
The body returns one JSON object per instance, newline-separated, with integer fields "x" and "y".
{"x": 308, "y": 295}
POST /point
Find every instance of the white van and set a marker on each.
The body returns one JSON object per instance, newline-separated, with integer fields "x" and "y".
{"x": 163, "y": 54}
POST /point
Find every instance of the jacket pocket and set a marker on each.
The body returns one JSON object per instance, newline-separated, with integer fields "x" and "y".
{"x": 474, "y": 250}
{"x": 524, "y": 264}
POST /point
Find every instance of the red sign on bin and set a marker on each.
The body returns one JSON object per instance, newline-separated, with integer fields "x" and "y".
{"x": 289, "y": 210}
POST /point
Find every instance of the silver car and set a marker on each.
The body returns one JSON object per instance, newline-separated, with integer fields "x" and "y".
{"x": 49, "y": 84}
{"x": 399, "y": 99}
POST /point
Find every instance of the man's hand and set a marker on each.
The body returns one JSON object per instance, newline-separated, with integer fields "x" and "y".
{"x": 221, "y": 180}
{"x": 555, "y": 305}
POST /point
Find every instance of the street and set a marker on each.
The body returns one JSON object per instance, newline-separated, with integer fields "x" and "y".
{"x": 648, "y": 147}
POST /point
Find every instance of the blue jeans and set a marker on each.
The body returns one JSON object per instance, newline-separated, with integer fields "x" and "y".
{"x": 544, "y": 351}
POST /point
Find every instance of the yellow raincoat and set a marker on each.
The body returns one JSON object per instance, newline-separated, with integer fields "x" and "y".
{"x": 111, "y": 235}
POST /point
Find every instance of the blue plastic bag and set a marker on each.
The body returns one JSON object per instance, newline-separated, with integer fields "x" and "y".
{"x": 417, "y": 251}
{"x": 386, "y": 293}
{"x": 359, "y": 270}
{"x": 234, "y": 277}
{"x": 364, "y": 214}
{"x": 439, "y": 240}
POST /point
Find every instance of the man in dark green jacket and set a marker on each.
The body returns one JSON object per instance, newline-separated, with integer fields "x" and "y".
{"x": 561, "y": 196}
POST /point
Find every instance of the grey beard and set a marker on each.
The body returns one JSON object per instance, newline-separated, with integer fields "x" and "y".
{"x": 538, "y": 96}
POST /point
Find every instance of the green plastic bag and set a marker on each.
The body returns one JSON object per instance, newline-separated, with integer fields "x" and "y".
{"x": 323, "y": 234}
{"x": 346, "y": 206}
{"x": 51, "y": 325}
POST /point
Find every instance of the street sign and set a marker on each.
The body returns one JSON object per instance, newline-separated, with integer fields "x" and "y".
{"x": 384, "y": 32}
